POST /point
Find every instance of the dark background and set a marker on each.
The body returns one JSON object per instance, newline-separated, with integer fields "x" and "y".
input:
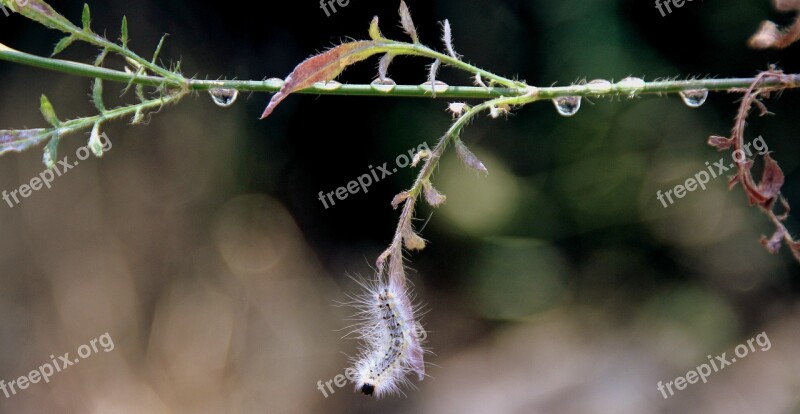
{"x": 556, "y": 284}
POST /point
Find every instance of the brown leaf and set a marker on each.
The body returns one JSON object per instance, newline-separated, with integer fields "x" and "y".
{"x": 720, "y": 143}
{"x": 407, "y": 23}
{"x": 432, "y": 195}
{"x": 766, "y": 36}
{"x": 411, "y": 240}
{"x": 771, "y": 179}
{"x": 769, "y": 35}
{"x": 400, "y": 199}
{"x": 323, "y": 67}
{"x": 419, "y": 156}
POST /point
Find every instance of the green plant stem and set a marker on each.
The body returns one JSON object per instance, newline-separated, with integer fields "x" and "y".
{"x": 79, "y": 124}
{"x": 453, "y": 92}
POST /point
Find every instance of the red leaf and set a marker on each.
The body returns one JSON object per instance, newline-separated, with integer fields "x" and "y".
{"x": 323, "y": 67}
{"x": 771, "y": 179}
{"x": 720, "y": 143}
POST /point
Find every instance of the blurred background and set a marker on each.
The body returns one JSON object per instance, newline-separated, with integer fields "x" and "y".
{"x": 556, "y": 284}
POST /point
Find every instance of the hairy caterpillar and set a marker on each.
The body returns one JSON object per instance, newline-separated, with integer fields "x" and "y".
{"x": 392, "y": 346}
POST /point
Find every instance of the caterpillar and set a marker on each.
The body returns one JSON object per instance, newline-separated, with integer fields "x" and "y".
{"x": 392, "y": 341}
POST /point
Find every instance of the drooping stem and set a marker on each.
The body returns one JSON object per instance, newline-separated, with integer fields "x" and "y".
{"x": 394, "y": 253}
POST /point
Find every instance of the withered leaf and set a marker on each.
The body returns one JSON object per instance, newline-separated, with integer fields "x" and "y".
{"x": 383, "y": 66}
{"x": 720, "y": 143}
{"x": 432, "y": 195}
{"x": 400, "y": 199}
{"x": 20, "y": 140}
{"x": 470, "y": 159}
{"x": 772, "y": 178}
{"x": 325, "y": 66}
{"x": 412, "y": 240}
{"x": 769, "y": 35}
{"x": 407, "y": 23}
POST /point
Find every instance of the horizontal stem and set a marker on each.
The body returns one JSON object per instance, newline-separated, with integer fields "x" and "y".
{"x": 77, "y": 68}
{"x": 458, "y": 92}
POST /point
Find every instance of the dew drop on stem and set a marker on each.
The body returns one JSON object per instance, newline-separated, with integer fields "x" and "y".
{"x": 599, "y": 86}
{"x": 567, "y": 105}
{"x": 223, "y": 97}
{"x": 694, "y": 98}
{"x": 328, "y": 85}
{"x": 386, "y": 85}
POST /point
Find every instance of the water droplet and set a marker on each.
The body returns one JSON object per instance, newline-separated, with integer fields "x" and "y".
{"x": 567, "y": 105}
{"x": 223, "y": 97}
{"x": 599, "y": 86}
{"x": 277, "y": 81}
{"x": 634, "y": 84}
{"x": 438, "y": 87}
{"x": 694, "y": 98}
{"x": 386, "y": 85}
{"x": 328, "y": 86}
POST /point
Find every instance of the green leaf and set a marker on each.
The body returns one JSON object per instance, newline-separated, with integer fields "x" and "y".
{"x": 97, "y": 95}
{"x": 62, "y": 44}
{"x": 48, "y": 112}
{"x": 86, "y": 18}
{"x": 374, "y": 30}
{"x": 158, "y": 48}
{"x": 94, "y": 141}
{"x": 50, "y": 155}
{"x": 124, "y": 35}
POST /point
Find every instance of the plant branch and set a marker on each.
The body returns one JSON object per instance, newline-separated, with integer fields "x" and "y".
{"x": 394, "y": 253}
{"x": 453, "y": 92}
